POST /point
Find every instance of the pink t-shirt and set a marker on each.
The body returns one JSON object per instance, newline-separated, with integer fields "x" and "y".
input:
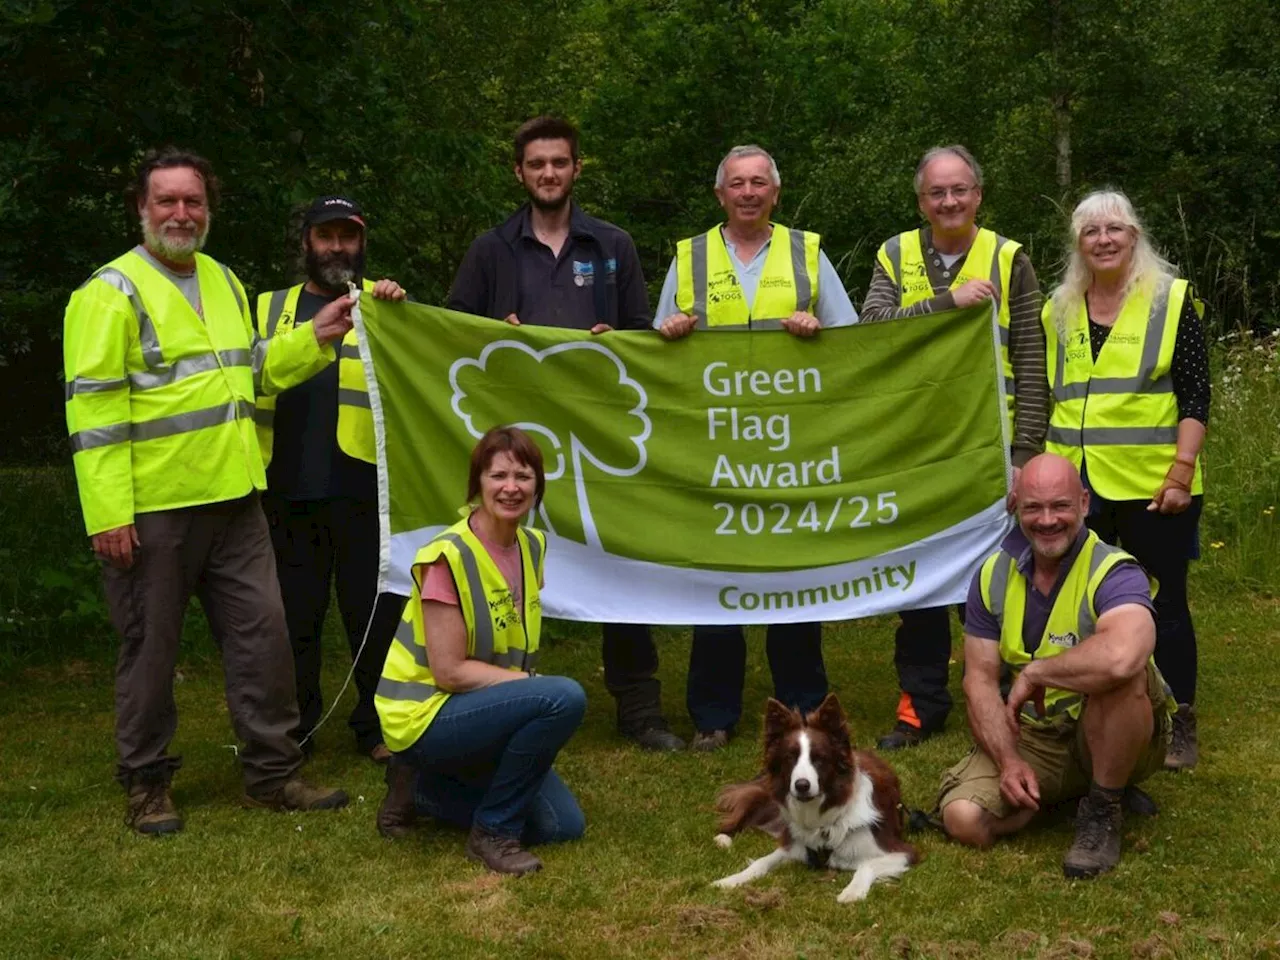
{"x": 438, "y": 584}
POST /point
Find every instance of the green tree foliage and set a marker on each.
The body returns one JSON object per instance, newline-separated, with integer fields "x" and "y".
{"x": 410, "y": 108}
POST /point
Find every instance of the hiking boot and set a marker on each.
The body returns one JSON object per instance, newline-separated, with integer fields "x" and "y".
{"x": 380, "y": 753}
{"x": 1096, "y": 848}
{"x": 150, "y": 810}
{"x": 397, "y": 815}
{"x": 902, "y": 736}
{"x": 296, "y": 794}
{"x": 654, "y": 736}
{"x": 500, "y": 854}
{"x": 1184, "y": 745}
{"x": 708, "y": 741}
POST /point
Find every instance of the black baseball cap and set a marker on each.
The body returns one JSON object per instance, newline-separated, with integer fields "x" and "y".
{"x": 325, "y": 209}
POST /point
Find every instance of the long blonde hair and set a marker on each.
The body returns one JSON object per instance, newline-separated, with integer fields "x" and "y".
{"x": 1146, "y": 267}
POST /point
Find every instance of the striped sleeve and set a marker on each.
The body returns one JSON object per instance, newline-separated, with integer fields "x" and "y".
{"x": 1027, "y": 354}
{"x": 882, "y": 300}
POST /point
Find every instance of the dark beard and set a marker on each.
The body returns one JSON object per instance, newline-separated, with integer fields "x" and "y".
{"x": 554, "y": 207}
{"x": 332, "y": 272}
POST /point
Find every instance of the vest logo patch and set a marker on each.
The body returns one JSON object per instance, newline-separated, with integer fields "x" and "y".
{"x": 722, "y": 287}
{"x": 503, "y": 610}
{"x": 1063, "y": 639}
{"x": 774, "y": 283}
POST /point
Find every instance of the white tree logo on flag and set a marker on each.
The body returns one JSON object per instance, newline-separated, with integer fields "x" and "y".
{"x": 571, "y": 389}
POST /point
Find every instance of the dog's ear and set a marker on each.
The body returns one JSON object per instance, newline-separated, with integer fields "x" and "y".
{"x": 778, "y": 719}
{"x": 829, "y": 717}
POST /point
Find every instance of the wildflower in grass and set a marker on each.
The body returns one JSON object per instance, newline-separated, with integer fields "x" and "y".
{"x": 1217, "y": 544}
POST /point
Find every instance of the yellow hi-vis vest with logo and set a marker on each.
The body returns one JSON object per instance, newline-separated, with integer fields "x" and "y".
{"x": 1118, "y": 415}
{"x": 990, "y": 258}
{"x": 407, "y": 697}
{"x": 1072, "y": 621}
{"x": 707, "y": 285}
{"x": 276, "y": 313}
{"x": 160, "y": 400}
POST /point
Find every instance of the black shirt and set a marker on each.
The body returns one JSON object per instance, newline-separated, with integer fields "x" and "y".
{"x": 596, "y": 278}
{"x": 306, "y": 462}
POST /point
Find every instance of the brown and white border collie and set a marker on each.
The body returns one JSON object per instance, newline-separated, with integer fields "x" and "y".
{"x": 828, "y": 805}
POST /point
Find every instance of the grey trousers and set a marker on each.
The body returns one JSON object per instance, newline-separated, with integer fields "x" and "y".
{"x": 220, "y": 552}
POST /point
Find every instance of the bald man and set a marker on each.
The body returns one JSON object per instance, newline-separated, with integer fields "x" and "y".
{"x": 1088, "y": 715}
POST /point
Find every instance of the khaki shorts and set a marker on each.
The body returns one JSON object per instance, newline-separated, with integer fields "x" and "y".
{"x": 1059, "y": 756}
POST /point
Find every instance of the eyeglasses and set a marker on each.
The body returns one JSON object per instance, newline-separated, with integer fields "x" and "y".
{"x": 938, "y": 194}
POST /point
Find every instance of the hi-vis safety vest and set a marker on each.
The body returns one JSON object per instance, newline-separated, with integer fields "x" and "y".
{"x": 990, "y": 258}
{"x": 159, "y": 400}
{"x": 276, "y": 313}
{"x": 1118, "y": 415}
{"x": 407, "y": 697}
{"x": 707, "y": 285}
{"x": 1072, "y": 621}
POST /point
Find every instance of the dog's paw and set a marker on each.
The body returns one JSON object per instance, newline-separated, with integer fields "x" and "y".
{"x": 854, "y": 892}
{"x": 724, "y": 841}
{"x": 728, "y": 883}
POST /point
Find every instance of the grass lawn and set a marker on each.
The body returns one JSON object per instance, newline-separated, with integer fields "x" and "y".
{"x": 1201, "y": 880}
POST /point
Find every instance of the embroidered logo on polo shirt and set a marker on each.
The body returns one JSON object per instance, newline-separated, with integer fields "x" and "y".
{"x": 584, "y": 274}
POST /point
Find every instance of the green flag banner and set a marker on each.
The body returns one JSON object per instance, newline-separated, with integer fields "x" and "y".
{"x": 729, "y": 477}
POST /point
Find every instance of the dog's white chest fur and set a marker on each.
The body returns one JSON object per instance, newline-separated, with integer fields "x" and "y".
{"x": 841, "y": 836}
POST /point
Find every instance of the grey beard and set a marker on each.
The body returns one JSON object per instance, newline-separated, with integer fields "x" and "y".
{"x": 170, "y": 250}
{"x": 335, "y": 271}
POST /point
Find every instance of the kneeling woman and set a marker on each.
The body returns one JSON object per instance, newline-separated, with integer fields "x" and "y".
{"x": 473, "y": 730}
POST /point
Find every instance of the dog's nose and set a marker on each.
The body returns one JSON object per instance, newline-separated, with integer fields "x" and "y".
{"x": 802, "y": 787}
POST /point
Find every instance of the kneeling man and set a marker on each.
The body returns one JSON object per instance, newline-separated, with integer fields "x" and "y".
{"x": 1088, "y": 713}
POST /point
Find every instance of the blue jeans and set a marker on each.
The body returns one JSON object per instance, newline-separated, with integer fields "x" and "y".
{"x": 718, "y": 669}
{"x": 486, "y": 758}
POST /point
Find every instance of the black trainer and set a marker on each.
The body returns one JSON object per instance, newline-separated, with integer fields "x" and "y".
{"x": 902, "y": 736}
{"x": 654, "y": 736}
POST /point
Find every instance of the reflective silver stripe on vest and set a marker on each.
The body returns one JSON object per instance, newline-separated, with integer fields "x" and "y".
{"x": 166, "y": 374}
{"x": 1087, "y": 625}
{"x": 354, "y": 398}
{"x": 195, "y": 420}
{"x": 995, "y": 282}
{"x": 800, "y": 270}
{"x": 412, "y": 690}
{"x": 349, "y": 351}
{"x": 1157, "y": 320}
{"x": 535, "y": 552}
{"x": 893, "y": 248}
{"x": 404, "y": 637}
{"x": 99, "y": 437}
{"x": 235, "y": 291}
{"x": 258, "y": 361}
{"x": 90, "y": 385}
{"x": 517, "y": 658}
{"x": 483, "y": 623}
{"x": 1113, "y": 436}
{"x": 698, "y": 256}
{"x": 275, "y": 307}
{"x": 147, "y": 339}
{"x": 763, "y": 325}
{"x": 1000, "y": 583}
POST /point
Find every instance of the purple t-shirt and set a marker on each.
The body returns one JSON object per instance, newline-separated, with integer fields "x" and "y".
{"x": 1124, "y": 583}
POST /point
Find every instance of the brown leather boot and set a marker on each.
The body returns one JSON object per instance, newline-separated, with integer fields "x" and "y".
{"x": 397, "y": 815}
{"x": 500, "y": 854}
{"x": 150, "y": 809}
